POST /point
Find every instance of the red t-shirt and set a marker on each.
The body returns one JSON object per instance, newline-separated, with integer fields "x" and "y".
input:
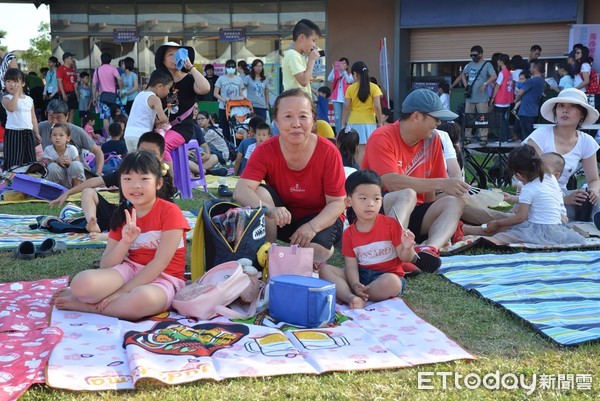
{"x": 302, "y": 192}
{"x": 387, "y": 152}
{"x": 163, "y": 216}
{"x": 68, "y": 76}
{"x": 376, "y": 249}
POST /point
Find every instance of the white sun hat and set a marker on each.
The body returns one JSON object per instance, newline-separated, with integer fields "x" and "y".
{"x": 572, "y": 96}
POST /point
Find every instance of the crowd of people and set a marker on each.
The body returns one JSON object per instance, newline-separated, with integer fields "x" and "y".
{"x": 513, "y": 88}
{"x": 392, "y": 192}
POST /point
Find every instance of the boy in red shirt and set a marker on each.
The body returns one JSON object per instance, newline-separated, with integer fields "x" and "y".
{"x": 67, "y": 79}
{"x": 375, "y": 247}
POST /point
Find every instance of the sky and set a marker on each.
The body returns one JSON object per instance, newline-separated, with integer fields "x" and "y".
{"x": 22, "y": 23}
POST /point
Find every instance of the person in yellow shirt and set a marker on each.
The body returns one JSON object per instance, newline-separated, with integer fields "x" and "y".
{"x": 299, "y": 60}
{"x": 362, "y": 107}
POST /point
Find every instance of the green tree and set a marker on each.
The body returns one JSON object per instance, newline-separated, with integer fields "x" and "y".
{"x": 3, "y": 34}
{"x": 37, "y": 55}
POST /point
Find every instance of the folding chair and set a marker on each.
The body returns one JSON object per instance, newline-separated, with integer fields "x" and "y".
{"x": 492, "y": 151}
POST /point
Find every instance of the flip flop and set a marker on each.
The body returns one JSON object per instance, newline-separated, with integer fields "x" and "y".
{"x": 50, "y": 246}
{"x": 224, "y": 191}
{"x": 25, "y": 251}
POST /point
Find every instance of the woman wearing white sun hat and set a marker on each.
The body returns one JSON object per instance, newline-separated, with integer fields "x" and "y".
{"x": 569, "y": 111}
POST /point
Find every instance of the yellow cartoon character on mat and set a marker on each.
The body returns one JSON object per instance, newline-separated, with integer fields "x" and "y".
{"x": 313, "y": 339}
{"x": 272, "y": 345}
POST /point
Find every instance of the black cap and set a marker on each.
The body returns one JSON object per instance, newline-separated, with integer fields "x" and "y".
{"x": 66, "y": 55}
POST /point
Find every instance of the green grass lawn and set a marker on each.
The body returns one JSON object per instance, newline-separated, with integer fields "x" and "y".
{"x": 501, "y": 342}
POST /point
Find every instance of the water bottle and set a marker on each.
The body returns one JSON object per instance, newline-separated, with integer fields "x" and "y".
{"x": 583, "y": 212}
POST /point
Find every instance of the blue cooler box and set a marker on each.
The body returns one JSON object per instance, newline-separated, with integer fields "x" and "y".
{"x": 302, "y": 301}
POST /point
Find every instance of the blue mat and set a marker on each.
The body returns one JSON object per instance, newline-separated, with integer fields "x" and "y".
{"x": 558, "y": 293}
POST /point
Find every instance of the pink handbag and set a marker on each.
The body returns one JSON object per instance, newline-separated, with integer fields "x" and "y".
{"x": 290, "y": 260}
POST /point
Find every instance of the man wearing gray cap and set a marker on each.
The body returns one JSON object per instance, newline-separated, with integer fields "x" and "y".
{"x": 408, "y": 157}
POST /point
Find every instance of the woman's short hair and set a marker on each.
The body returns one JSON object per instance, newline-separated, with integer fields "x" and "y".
{"x": 295, "y": 92}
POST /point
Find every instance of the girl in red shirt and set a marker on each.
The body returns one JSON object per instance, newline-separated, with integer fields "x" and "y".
{"x": 144, "y": 262}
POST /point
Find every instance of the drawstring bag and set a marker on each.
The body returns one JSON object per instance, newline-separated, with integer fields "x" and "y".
{"x": 218, "y": 288}
{"x": 224, "y": 232}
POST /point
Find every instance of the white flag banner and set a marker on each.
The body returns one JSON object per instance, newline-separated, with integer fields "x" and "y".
{"x": 384, "y": 68}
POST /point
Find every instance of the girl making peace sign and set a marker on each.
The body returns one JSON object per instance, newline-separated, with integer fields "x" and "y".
{"x": 144, "y": 262}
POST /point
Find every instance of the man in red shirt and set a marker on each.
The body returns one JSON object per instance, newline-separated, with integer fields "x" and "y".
{"x": 67, "y": 80}
{"x": 408, "y": 156}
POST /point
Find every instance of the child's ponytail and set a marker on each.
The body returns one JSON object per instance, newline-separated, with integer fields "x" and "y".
{"x": 364, "y": 88}
{"x": 168, "y": 189}
{"x": 118, "y": 217}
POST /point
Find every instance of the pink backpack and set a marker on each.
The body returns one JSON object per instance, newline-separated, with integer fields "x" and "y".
{"x": 210, "y": 295}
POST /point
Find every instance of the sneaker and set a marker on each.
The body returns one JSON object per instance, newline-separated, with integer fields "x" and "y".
{"x": 483, "y": 142}
{"x": 220, "y": 171}
{"x": 596, "y": 220}
{"x": 458, "y": 234}
{"x": 427, "y": 258}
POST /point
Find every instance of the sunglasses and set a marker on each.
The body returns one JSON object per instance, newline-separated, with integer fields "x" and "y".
{"x": 474, "y": 55}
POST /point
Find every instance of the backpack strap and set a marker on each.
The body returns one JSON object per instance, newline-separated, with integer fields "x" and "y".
{"x": 198, "y": 263}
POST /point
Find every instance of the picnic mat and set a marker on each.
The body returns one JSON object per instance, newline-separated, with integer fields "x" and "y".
{"x": 558, "y": 293}
{"x": 15, "y": 229}
{"x": 110, "y": 196}
{"x": 471, "y": 241}
{"x": 25, "y": 338}
{"x": 103, "y": 353}
{"x": 213, "y": 181}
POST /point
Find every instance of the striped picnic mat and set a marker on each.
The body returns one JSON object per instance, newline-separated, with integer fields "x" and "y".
{"x": 14, "y": 229}
{"x": 558, "y": 293}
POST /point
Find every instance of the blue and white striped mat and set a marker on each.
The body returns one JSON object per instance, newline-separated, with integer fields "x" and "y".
{"x": 557, "y": 292}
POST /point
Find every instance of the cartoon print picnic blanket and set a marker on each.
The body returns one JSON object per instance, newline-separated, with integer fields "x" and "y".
{"x": 557, "y": 292}
{"x": 15, "y": 229}
{"x": 26, "y": 339}
{"x": 102, "y": 353}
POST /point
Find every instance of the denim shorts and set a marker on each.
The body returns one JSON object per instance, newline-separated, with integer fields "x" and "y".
{"x": 367, "y": 276}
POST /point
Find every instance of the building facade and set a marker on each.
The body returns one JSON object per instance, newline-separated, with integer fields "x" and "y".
{"x": 427, "y": 40}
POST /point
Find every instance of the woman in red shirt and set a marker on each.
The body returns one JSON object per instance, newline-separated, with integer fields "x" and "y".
{"x": 304, "y": 176}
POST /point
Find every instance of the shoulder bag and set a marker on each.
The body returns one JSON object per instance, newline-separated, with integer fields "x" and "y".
{"x": 469, "y": 88}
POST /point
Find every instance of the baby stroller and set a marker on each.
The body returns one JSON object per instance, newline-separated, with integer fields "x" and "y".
{"x": 238, "y": 113}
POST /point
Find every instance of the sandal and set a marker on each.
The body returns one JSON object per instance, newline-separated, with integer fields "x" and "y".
{"x": 224, "y": 191}
{"x": 50, "y": 246}
{"x": 25, "y": 251}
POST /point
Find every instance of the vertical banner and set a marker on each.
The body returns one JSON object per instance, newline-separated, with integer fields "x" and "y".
{"x": 588, "y": 35}
{"x": 384, "y": 68}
